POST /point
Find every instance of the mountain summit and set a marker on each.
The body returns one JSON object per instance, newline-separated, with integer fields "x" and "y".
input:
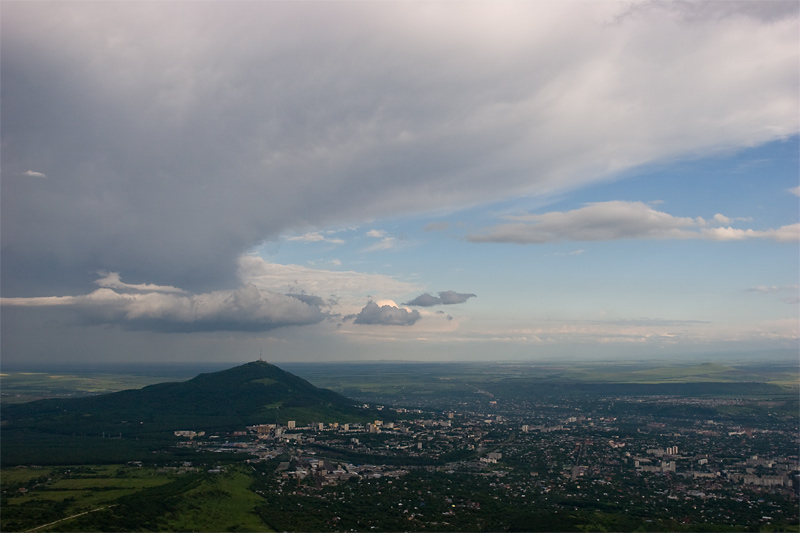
{"x": 253, "y": 393}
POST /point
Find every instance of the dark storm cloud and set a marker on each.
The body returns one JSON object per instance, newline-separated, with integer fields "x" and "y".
{"x": 386, "y": 315}
{"x": 444, "y": 298}
{"x": 167, "y": 138}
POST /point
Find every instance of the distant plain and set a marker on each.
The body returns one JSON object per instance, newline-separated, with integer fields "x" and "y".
{"x": 388, "y": 380}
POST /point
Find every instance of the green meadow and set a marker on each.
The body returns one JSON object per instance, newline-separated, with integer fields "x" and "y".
{"x": 115, "y": 497}
{"x": 35, "y": 496}
{"x": 223, "y": 502}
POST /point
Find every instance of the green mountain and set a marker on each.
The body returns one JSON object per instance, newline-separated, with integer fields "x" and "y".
{"x": 253, "y": 393}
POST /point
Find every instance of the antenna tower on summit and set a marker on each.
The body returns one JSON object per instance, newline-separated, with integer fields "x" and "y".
{"x": 261, "y": 354}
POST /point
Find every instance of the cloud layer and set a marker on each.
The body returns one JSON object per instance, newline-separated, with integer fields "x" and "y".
{"x": 606, "y": 221}
{"x": 269, "y": 296}
{"x": 176, "y": 136}
{"x": 244, "y": 309}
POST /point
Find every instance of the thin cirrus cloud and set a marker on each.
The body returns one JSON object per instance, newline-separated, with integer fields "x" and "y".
{"x": 387, "y": 242}
{"x": 299, "y": 115}
{"x": 315, "y": 236}
{"x": 790, "y": 293}
{"x": 444, "y": 298}
{"x": 773, "y": 288}
{"x": 615, "y": 220}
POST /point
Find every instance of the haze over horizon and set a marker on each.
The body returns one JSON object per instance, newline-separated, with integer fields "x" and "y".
{"x": 429, "y": 181}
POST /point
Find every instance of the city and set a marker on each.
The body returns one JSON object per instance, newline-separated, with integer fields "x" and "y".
{"x": 560, "y": 457}
{"x": 459, "y": 447}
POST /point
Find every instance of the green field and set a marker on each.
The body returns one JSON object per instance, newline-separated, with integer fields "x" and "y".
{"x": 221, "y": 503}
{"x": 34, "y": 496}
{"x": 175, "y": 499}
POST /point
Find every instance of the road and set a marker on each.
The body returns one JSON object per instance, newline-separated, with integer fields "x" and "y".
{"x": 69, "y": 517}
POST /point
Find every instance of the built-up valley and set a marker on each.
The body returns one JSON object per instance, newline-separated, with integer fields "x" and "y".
{"x": 414, "y": 448}
{"x": 652, "y": 462}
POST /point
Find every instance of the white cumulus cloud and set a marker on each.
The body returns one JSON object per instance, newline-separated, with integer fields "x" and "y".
{"x": 386, "y": 315}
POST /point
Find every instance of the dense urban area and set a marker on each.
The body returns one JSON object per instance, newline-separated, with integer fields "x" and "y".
{"x": 562, "y": 457}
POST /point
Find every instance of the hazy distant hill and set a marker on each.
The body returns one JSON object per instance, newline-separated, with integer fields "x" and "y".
{"x": 256, "y": 392}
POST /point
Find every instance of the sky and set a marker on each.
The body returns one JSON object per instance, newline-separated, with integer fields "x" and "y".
{"x": 427, "y": 181}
